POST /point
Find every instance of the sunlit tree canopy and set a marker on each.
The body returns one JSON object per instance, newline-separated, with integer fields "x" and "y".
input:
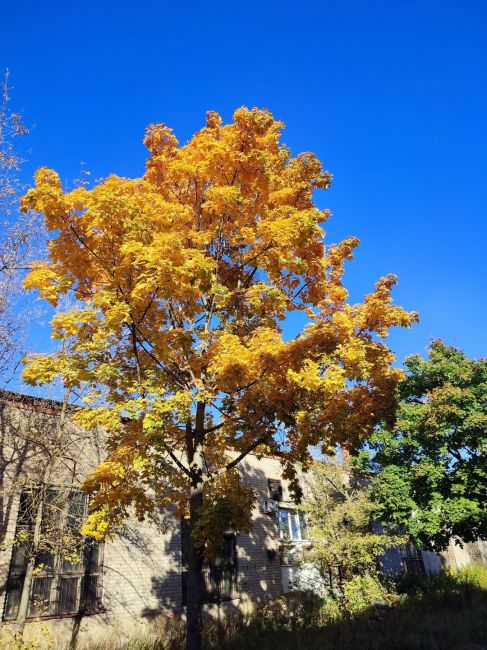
{"x": 182, "y": 281}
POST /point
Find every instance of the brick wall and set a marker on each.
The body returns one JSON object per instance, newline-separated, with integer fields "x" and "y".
{"x": 141, "y": 574}
{"x": 259, "y": 570}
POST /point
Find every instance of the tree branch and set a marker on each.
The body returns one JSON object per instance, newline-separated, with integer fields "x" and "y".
{"x": 260, "y": 441}
{"x": 173, "y": 456}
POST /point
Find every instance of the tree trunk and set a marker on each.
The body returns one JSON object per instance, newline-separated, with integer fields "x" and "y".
{"x": 25, "y": 597}
{"x": 195, "y": 584}
{"x": 29, "y": 572}
{"x": 195, "y": 590}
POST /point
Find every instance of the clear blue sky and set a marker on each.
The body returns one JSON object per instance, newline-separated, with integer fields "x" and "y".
{"x": 391, "y": 95}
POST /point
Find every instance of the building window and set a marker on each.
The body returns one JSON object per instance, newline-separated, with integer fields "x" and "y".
{"x": 333, "y": 578}
{"x": 412, "y": 559}
{"x": 292, "y": 525}
{"x": 275, "y": 489}
{"x": 67, "y": 573}
{"x": 219, "y": 574}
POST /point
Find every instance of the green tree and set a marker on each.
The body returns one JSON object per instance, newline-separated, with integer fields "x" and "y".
{"x": 347, "y": 542}
{"x": 432, "y": 466}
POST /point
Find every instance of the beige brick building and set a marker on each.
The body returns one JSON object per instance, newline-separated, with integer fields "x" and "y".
{"x": 140, "y": 574}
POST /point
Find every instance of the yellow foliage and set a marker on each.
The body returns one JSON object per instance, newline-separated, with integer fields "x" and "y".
{"x": 97, "y": 525}
{"x": 38, "y": 639}
{"x": 185, "y": 276}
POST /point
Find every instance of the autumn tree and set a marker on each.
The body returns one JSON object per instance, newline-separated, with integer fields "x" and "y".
{"x": 184, "y": 278}
{"x": 432, "y": 466}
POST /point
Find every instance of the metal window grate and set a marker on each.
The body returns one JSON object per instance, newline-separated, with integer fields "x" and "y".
{"x": 40, "y": 597}
{"x": 12, "y": 598}
{"x": 219, "y": 576}
{"x": 68, "y": 595}
{"x": 89, "y": 594}
{"x": 62, "y": 584}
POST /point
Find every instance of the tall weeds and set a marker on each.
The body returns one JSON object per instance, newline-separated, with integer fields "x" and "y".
{"x": 445, "y": 612}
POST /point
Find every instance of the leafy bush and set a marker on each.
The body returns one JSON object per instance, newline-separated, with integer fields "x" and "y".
{"x": 360, "y": 593}
{"x": 39, "y": 639}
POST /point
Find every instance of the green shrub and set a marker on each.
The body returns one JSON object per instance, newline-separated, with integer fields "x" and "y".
{"x": 360, "y": 593}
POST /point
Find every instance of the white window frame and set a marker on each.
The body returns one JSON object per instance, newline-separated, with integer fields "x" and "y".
{"x": 297, "y": 522}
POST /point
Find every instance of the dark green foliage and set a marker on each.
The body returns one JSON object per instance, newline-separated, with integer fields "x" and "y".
{"x": 431, "y": 467}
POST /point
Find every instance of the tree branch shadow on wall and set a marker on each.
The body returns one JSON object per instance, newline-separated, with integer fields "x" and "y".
{"x": 258, "y": 564}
